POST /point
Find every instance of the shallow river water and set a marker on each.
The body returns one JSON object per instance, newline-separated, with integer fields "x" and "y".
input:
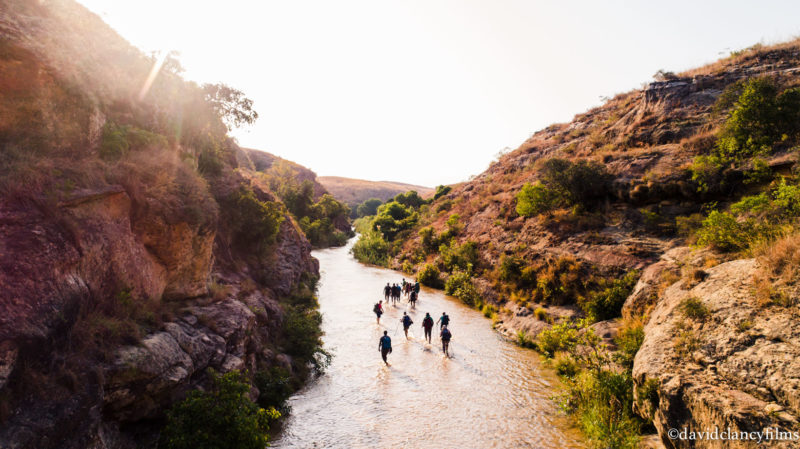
{"x": 489, "y": 394}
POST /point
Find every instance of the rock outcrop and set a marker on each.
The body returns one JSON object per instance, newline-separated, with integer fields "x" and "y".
{"x": 120, "y": 287}
{"x": 735, "y": 368}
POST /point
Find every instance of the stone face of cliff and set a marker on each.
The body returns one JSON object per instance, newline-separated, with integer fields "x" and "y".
{"x": 735, "y": 368}
{"x": 120, "y": 283}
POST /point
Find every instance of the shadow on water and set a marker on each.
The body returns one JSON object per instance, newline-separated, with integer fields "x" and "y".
{"x": 489, "y": 394}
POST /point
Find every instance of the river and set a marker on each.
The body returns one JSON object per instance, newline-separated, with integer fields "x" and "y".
{"x": 489, "y": 394}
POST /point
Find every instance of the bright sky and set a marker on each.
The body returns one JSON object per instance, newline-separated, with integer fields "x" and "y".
{"x": 429, "y": 91}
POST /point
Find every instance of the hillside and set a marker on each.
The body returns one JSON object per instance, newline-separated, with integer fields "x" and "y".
{"x": 355, "y": 191}
{"x": 142, "y": 250}
{"x": 590, "y": 220}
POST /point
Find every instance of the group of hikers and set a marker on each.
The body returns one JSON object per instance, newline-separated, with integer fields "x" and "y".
{"x": 392, "y": 292}
{"x": 412, "y": 291}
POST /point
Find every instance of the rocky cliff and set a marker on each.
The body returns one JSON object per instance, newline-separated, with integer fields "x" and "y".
{"x": 139, "y": 247}
{"x": 728, "y": 361}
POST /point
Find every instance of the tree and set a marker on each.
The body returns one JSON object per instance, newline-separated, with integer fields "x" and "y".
{"x": 368, "y": 207}
{"x": 578, "y": 183}
{"x": 441, "y": 191}
{"x": 535, "y": 199}
{"x": 410, "y": 199}
{"x": 230, "y": 104}
{"x": 221, "y": 418}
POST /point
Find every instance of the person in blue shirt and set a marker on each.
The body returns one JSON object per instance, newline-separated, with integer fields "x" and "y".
{"x": 406, "y": 320}
{"x": 385, "y": 346}
{"x": 444, "y": 320}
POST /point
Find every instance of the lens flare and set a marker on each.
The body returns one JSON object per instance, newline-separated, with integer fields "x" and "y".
{"x": 153, "y": 73}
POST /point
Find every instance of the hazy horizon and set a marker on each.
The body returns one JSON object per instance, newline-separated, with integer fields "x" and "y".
{"x": 428, "y": 93}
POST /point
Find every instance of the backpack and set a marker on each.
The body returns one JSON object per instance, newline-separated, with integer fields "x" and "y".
{"x": 446, "y": 335}
{"x": 427, "y": 322}
{"x": 377, "y": 308}
{"x": 445, "y": 320}
{"x": 407, "y": 321}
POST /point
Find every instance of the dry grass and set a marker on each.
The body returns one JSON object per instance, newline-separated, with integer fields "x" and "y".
{"x": 699, "y": 143}
{"x": 775, "y": 281}
{"x": 740, "y": 56}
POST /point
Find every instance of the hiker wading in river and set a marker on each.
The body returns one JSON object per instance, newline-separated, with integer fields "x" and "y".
{"x": 406, "y": 320}
{"x": 427, "y": 325}
{"x": 445, "y": 335}
{"x": 385, "y": 346}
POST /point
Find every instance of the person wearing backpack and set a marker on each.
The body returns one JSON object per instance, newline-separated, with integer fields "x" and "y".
{"x": 444, "y": 320}
{"x": 427, "y": 324}
{"x": 385, "y": 346}
{"x": 378, "y": 309}
{"x": 445, "y": 335}
{"x": 413, "y": 299}
{"x": 406, "y": 320}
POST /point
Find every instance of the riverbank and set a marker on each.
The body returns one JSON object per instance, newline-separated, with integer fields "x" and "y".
{"x": 489, "y": 394}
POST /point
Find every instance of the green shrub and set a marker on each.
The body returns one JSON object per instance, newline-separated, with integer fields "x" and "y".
{"x": 454, "y": 225}
{"x": 708, "y": 172}
{"x": 536, "y": 199}
{"x": 429, "y": 275}
{"x": 441, "y": 191}
{"x": 760, "y": 172}
{"x": 760, "y": 118}
{"x": 460, "y": 285}
{"x": 560, "y": 337}
{"x": 428, "y": 239}
{"x": 368, "y": 207}
{"x": 410, "y": 199}
{"x": 582, "y": 182}
{"x": 392, "y": 218}
{"x": 274, "y": 388}
{"x": 603, "y": 403}
{"x": 607, "y": 303}
{"x": 114, "y": 143}
{"x": 459, "y": 257}
{"x": 489, "y": 311}
{"x": 223, "y": 417}
{"x": 787, "y": 198}
{"x": 752, "y": 205}
{"x": 628, "y": 340}
{"x": 372, "y": 248}
{"x": 540, "y": 314}
{"x": 255, "y": 223}
{"x": 565, "y": 365}
{"x": 694, "y": 308}
{"x": 302, "y": 336}
{"x": 720, "y": 230}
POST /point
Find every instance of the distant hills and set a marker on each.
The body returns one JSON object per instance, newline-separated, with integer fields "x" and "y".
{"x": 356, "y": 191}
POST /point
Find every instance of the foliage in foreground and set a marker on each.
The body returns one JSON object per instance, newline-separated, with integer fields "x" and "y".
{"x": 221, "y": 418}
{"x": 599, "y": 393}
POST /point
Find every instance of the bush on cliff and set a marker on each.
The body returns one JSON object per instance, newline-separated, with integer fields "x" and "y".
{"x": 606, "y": 302}
{"x": 255, "y": 223}
{"x": 535, "y": 199}
{"x": 223, "y": 417}
{"x": 460, "y": 285}
{"x": 429, "y": 275}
